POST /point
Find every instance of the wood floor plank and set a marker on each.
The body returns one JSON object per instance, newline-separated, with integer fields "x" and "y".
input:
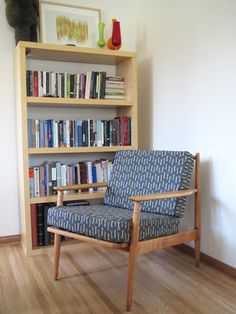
{"x": 93, "y": 279}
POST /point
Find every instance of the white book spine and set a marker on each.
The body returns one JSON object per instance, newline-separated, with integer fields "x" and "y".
{"x": 37, "y": 133}
{"x": 36, "y": 182}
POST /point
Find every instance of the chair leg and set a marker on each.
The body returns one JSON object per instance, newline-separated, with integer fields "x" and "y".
{"x": 131, "y": 275}
{"x": 57, "y": 248}
{"x": 197, "y": 252}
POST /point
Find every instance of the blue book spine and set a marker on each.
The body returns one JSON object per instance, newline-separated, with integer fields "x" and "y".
{"x": 75, "y": 127}
{"x": 64, "y": 133}
{"x": 73, "y": 174}
{"x": 58, "y": 171}
{"x": 94, "y": 173}
{"x": 46, "y": 179}
{"x": 50, "y": 132}
{"x": 30, "y": 139}
{"x": 41, "y": 133}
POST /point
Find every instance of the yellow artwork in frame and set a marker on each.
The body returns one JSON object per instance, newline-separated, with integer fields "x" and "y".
{"x": 68, "y": 24}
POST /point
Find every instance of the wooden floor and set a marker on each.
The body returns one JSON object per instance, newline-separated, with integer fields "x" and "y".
{"x": 93, "y": 280}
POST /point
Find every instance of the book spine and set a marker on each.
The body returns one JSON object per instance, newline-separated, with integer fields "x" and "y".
{"x": 40, "y": 224}
{"x": 36, "y": 88}
{"x": 46, "y": 233}
{"x": 31, "y": 182}
{"x": 36, "y": 182}
{"x": 33, "y": 212}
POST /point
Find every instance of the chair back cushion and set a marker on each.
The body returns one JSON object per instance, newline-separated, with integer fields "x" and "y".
{"x": 147, "y": 172}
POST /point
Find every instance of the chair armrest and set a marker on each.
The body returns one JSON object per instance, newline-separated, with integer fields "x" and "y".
{"x": 60, "y": 189}
{"x": 80, "y": 186}
{"x": 164, "y": 195}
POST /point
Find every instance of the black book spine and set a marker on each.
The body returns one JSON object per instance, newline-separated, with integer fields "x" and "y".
{"x": 62, "y": 85}
{"x": 47, "y": 83}
{"x": 46, "y": 233}
{"x": 103, "y": 85}
{"x": 72, "y": 86}
{"x": 40, "y": 224}
{"x": 91, "y": 140}
{"x": 28, "y": 82}
{"x": 114, "y": 139}
{"x": 85, "y": 133}
{"x": 108, "y": 140}
{"x": 72, "y": 135}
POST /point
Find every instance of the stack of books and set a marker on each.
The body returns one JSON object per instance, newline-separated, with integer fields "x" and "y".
{"x": 115, "y": 87}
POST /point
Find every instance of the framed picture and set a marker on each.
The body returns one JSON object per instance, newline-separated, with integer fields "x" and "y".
{"x": 68, "y": 24}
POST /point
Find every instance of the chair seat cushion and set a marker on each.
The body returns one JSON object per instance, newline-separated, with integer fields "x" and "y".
{"x": 110, "y": 223}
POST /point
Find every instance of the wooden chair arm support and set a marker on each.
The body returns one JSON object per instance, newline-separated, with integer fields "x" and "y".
{"x": 80, "y": 186}
{"x": 60, "y": 189}
{"x": 160, "y": 196}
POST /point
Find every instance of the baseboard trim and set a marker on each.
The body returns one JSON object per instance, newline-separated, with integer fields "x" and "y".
{"x": 10, "y": 239}
{"x": 229, "y": 270}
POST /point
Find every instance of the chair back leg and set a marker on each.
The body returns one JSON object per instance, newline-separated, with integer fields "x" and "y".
{"x": 57, "y": 249}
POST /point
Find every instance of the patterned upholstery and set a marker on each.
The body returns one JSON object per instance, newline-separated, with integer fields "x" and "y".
{"x": 109, "y": 223}
{"x": 147, "y": 172}
{"x": 133, "y": 173}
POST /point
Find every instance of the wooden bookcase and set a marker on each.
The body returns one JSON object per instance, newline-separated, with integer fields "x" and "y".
{"x": 122, "y": 63}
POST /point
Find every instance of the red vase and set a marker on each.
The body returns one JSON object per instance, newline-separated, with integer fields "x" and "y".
{"x": 116, "y": 35}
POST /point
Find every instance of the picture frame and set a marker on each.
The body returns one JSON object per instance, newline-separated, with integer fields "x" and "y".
{"x": 68, "y": 24}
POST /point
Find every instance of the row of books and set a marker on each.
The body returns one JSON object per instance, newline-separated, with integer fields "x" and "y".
{"x": 39, "y": 212}
{"x": 79, "y": 133}
{"x": 43, "y": 178}
{"x": 91, "y": 84}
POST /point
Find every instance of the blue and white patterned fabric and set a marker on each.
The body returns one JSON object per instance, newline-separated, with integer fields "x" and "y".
{"x": 148, "y": 172}
{"x": 109, "y": 223}
{"x": 133, "y": 173}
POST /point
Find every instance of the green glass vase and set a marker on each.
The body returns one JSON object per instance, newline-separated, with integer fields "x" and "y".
{"x": 101, "y": 41}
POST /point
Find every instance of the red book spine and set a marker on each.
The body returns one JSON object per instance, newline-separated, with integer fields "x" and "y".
{"x": 33, "y": 224}
{"x": 83, "y": 174}
{"x": 125, "y": 130}
{"x": 36, "y": 87}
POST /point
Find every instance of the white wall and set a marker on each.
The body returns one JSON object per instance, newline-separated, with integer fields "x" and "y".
{"x": 9, "y": 213}
{"x": 189, "y": 63}
{"x": 186, "y": 59}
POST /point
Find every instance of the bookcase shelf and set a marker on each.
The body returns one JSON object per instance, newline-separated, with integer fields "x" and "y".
{"x": 77, "y": 150}
{"x": 69, "y": 197}
{"x": 82, "y": 103}
{"x": 59, "y": 58}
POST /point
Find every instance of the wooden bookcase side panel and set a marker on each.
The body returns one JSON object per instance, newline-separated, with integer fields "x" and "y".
{"x": 128, "y": 69}
{"x": 22, "y": 145}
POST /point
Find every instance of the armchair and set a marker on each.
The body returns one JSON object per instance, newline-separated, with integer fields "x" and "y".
{"x": 144, "y": 202}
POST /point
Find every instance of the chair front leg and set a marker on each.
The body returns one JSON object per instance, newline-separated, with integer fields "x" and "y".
{"x": 133, "y": 253}
{"x": 57, "y": 248}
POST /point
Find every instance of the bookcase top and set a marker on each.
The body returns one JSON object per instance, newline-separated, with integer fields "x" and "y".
{"x": 42, "y": 51}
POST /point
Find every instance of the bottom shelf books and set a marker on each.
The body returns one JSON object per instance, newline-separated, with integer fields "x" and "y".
{"x": 39, "y": 212}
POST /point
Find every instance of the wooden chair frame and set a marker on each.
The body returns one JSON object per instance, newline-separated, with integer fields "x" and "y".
{"x": 136, "y": 247}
